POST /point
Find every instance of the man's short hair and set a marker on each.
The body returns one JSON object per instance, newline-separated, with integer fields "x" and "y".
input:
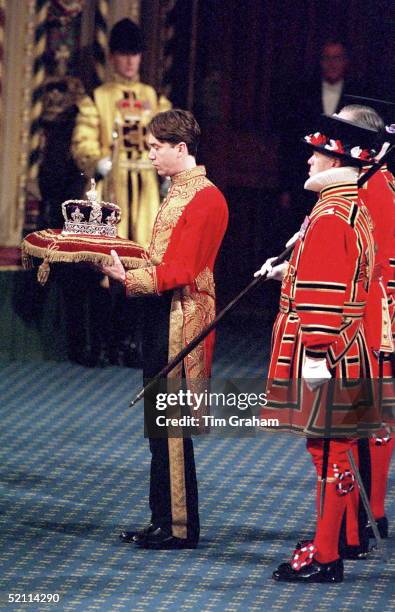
{"x": 331, "y": 42}
{"x": 365, "y": 116}
{"x": 175, "y": 126}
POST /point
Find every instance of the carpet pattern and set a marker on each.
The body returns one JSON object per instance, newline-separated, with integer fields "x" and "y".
{"x": 74, "y": 472}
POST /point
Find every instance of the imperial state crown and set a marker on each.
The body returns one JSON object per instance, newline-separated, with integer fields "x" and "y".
{"x": 90, "y": 216}
{"x": 89, "y": 234}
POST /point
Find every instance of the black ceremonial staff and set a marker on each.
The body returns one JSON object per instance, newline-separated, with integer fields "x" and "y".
{"x": 205, "y": 332}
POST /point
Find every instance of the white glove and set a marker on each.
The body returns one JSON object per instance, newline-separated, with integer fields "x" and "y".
{"x": 315, "y": 372}
{"x": 104, "y": 166}
{"x": 293, "y": 240}
{"x": 276, "y": 272}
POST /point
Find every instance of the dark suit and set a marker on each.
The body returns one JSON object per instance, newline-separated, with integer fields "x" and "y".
{"x": 299, "y": 114}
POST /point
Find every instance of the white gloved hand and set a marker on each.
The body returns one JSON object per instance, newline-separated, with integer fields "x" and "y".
{"x": 104, "y": 166}
{"x": 315, "y": 372}
{"x": 293, "y": 240}
{"x": 276, "y": 272}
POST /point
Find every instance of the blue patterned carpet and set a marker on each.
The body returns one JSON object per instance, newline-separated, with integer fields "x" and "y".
{"x": 74, "y": 471}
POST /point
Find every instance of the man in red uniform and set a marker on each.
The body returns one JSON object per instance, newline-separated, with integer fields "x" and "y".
{"x": 319, "y": 334}
{"x": 374, "y": 454}
{"x": 178, "y": 278}
{"x": 378, "y": 194}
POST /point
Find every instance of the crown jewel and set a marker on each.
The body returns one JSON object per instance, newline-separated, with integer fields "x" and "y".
{"x": 90, "y": 216}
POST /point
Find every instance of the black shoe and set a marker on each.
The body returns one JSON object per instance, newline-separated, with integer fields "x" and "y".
{"x": 160, "y": 539}
{"x": 382, "y": 524}
{"x": 314, "y": 572}
{"x": 136, "y": 537}
{"x": 355, "y": 553}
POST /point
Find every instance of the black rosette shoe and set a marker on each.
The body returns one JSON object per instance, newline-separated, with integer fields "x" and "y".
{"x": 304, "y": 568}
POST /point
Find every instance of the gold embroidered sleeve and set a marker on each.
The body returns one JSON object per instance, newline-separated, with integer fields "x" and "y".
{"x": 205, "y": 282}
{"x": 85, "y": 145}
{"x": 142, "y": 281}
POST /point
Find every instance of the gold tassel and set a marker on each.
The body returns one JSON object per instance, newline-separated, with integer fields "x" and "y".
{"x": 27, "y": 261}
{"x": 44, "y": 269}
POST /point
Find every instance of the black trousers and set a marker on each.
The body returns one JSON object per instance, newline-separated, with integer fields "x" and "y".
{"x": 173, "y": 495}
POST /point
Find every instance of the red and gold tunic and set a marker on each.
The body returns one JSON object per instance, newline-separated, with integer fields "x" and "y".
{"x": 390, "y": 286}
{"x": 378, "y": 195}
{"x": 187, "y": 234}
{"x": 322, "y": 304}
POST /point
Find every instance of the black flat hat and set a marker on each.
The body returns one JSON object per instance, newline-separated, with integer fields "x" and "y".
{"x": 384, "y": 108}
{"x": 126, "y": 37}
{"x": 347, "y": 140}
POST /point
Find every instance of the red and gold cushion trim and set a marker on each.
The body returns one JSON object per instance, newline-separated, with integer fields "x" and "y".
{"x": 72, "y": 248}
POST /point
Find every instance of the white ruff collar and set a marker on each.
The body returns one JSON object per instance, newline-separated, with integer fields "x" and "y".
{"x": 344, "y": 174}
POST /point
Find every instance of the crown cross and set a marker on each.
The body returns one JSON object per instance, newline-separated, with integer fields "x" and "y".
{"x": 92, "y": 193}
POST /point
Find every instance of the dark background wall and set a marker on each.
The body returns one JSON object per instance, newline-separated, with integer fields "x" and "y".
{"x": 242, "y": 59}
{"x": 237, "y": 65}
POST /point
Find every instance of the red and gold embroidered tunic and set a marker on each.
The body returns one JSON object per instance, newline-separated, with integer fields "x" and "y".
{"x": 187, "y": 234}
{"x": 322, "y": 303}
